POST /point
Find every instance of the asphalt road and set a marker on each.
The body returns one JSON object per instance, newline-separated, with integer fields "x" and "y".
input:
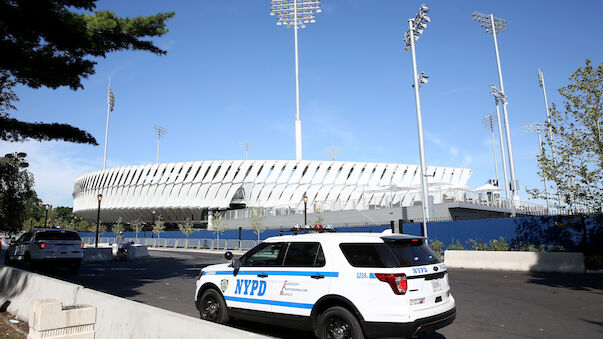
{"x": 490, "y": 304}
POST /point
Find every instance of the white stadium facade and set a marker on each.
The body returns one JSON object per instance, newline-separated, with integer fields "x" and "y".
{"x": 181, "y": 190}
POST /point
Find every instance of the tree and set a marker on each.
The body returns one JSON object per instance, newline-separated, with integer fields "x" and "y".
{"x": 218, "y": 224}
{"x": 15, "y": 189}
{"x": 320, "y": 219}
{"x": 256, "y": 219}
{"x": 53, "y": 43}
{"x": 119, "y": 226}
{"x": 137, "y": 227}
{"x": 186, "y": 228}
{"x": 574, "y": 160}
{"x": 159, "y": 226}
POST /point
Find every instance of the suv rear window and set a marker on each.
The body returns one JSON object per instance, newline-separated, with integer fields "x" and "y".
{"x": 392, "y": 253}
{"x": 57, "y": 235}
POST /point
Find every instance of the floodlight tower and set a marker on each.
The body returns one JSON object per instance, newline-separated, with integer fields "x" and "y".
{"x": 416, "y": 26}
{"x": 488, "y": 121}
{"x": 160, "y": 132}
{"x": 493, "y": 26}
{"x": 499, "y": 97}
{"x": 537, "y": 128}
{"x": 296, "y": 14}
{"x": 548, "y": 114}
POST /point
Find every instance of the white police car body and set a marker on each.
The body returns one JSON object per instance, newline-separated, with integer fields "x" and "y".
{"x": 47, "y": 246}
{"x": 340, "y": 285}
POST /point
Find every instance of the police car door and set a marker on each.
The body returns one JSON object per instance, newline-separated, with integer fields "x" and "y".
{"x": 251, "y": 286}
{"x": 304, "y": 278}
{"x": 21, "y": 246}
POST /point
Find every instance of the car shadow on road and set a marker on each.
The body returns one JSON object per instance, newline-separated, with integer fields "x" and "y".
{"x": 578, "y": 282}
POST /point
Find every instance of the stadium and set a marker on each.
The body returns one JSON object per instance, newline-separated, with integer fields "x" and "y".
{"x": 345, "y": 193}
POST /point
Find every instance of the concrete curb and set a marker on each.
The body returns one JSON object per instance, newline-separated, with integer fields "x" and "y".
{"x": 161, "y": 249}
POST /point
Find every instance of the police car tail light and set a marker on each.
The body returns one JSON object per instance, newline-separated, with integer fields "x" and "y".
{"x": 41, "y": 245}
{"x": 82, "y": 245}
{"x": 397, "y": 281}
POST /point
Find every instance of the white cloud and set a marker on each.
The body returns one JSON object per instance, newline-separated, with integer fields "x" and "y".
{"x": 454, "y": 151}
{"x": 467, "y": 161}
{"x": 54, "y": 166}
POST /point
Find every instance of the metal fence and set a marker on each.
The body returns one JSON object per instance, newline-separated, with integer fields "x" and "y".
{"x": 199, "y": 244}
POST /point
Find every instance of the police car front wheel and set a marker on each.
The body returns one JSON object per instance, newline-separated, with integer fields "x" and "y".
{"x": 339, "y": 323}
{"x": 213, "y": 307}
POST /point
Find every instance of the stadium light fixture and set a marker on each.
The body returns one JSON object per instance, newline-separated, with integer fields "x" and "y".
{"x": 160, "y": 132}
{"x": 537, "y": 127}
{"x": 548, "y": 113}
{"x": 489, "y": 120}
{"x": 295, "y": 14}
{"x": 492, "y": 26}
{"x": 416, "y": 27}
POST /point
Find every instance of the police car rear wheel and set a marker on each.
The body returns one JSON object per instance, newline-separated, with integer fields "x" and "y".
{"x": 213, "y": 307}
{"x": 339, "y": 323}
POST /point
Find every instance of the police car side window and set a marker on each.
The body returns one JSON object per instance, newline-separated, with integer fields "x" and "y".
{"x": 24, "y": 237}
{"x": 304, "y": 254}
{"x": 269, "y": 255}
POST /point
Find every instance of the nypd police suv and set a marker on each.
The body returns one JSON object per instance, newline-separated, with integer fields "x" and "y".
{"x": 339, "y": 285}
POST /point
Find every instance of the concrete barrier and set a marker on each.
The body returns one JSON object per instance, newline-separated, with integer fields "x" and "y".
{"x": 49, "y": 319}
{"x": 137, "y": 251}
{"x": 120, "y": 318}
{"x": 563, "y": 262}
{"x": 92, "y": 254}
{"x": 115, "y": 317}
{"x": 18, "y": 288}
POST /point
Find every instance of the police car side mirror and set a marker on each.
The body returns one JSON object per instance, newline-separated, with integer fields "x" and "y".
{"x": 236, "y": 264}
{"x": 228, "y": 255}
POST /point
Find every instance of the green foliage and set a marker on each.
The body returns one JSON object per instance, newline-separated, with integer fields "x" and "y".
{"x": 475, "y": 245}
{"x": 119, "y": 226}
{"x": 499, "y": 245}
{"x": 436, "y": 247}
{"x": 186, "y": 227}
{"x": 136, "y": 226}
{"x": 159, "y": 226}
{"x": 256, "y": 219}
{"x": 83, "y": 226}
{"x": 56, "y": 43}
{"x": 218, "y": 225}
{"x": 576, "y": 165}
{"x": 457, "y": 246}
{"x": 16, "y": 188}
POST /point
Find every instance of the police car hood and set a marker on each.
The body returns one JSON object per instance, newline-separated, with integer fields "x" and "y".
{"x": 217, "y": 267}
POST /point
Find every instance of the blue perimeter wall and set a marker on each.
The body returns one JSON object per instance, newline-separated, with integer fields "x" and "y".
{"x": 448, "y": 231}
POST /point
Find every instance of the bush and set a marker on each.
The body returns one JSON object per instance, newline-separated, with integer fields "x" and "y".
{"x": 477, "y": 246}
{"x": 455, "y": 246}
{"x": 436, "y": 247}
{"x": 499, "y": 245}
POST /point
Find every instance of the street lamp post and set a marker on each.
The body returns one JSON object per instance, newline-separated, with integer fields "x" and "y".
{"x": 100, "y": 198}
{"x": 305, "y": 209}
{"x": 416, "y": 26}
{"x": 537, "y": 128}
{"x": 153, "y": 224}
{"x": 296, "y": 14}
{"x": 493, "y": 26}
{"x": 46, "y": 216}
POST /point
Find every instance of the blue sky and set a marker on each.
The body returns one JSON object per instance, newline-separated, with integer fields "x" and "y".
{"x": 228, "y": 78}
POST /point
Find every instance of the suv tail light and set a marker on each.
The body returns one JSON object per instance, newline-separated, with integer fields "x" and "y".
{"x": 397, "y": 281}
{"x": 82, "y": 245}
{"x": 41, "y": 245}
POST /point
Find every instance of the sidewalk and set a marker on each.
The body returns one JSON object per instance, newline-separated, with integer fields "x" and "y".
{"x": 190, "y": 250}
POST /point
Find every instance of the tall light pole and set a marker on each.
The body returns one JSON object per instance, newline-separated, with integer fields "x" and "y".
{"x": 46, "y": 217}
{"x": 493, "y": 26}
{"x": 295, "y": 13}
{"x": 548, "y": 113}
{"x": 416, "y": 26}
{"x": 246, "y": 146}
{"x": 160, "y": 132}
{"x": 499, "y": 97}
{"x": 488, "y": 121}
{"x": 537, "y": 128}
{"x": 110, "y": 105}
{"x": 100, "y": 198}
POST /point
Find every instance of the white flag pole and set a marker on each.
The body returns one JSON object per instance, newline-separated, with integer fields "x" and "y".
{"x": 107, "y": 128}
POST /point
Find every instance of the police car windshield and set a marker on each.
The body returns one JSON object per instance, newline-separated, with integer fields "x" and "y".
{"x": 57, "y": 235}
